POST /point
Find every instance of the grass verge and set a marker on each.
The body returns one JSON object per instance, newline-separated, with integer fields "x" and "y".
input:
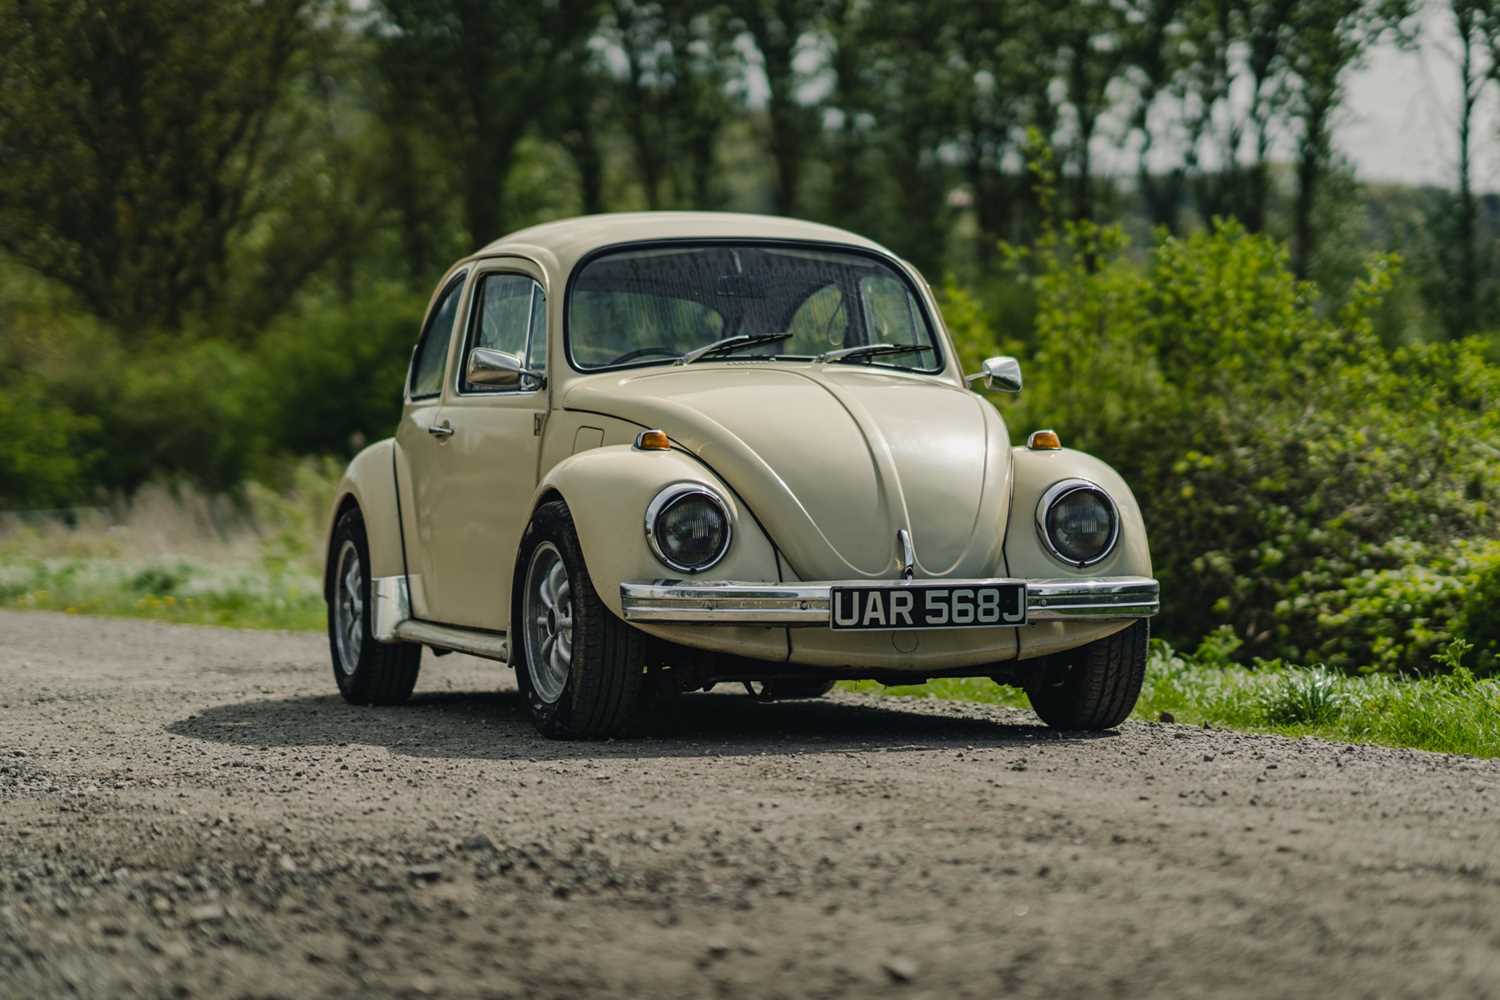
{"x": 173, "y": 590}
{"x": 1448, "y": 713}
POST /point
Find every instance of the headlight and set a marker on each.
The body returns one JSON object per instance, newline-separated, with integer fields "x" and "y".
{"x": 688, "y": 527}
{"x": 1078, "y": 522}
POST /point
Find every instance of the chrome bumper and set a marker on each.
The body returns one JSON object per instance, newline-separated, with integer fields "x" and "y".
{"x": 730, "y": 603}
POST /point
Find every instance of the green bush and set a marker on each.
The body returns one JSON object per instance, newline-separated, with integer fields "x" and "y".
{"x": 1300, "y": 481}
{"x": 1303, "y": 698}
{"x": 331, "y": 378}
{"x": 44, "y": 451}
{"x": 84, "y": 417}
{"x": 1479, "y": 616}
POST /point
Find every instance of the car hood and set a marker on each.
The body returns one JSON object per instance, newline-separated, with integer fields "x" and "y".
{"x": 834, "y": 460}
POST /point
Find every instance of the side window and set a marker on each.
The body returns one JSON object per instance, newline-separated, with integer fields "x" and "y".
{"x": 509, "y": 315}
{"x": 432, "y": 349}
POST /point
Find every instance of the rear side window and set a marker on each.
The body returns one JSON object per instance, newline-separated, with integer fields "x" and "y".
{"x": 432, "y": 349}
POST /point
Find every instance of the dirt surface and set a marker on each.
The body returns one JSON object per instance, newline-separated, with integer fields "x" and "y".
{"x": 193, "y": 812}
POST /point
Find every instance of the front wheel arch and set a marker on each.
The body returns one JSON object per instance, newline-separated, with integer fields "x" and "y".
{"x": 345, "y": 504}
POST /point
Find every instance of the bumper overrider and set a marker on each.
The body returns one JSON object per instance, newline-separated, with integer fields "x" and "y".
{"x": 795, "y": 604}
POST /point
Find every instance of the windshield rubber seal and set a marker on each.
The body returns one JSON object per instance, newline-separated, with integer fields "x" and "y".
{"x": 891, "y": 261}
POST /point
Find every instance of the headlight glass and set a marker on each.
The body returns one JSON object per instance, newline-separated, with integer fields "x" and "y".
{"x": 688, "y": 527}
{"x": 1079, "y": 522}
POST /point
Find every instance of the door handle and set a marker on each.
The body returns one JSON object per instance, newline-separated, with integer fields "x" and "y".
{"x": 441, "y": 430}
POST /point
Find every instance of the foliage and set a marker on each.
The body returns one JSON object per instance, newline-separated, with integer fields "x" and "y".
{"x": 208, "y": 411}
{"x": 1299, "y": 481}
{"x": 43, "y": 457}
{"x": 475, "y": 77}
{"x": 149, "y": 141}
{"x": 329, "y": 379}
{"x": 177, "y": 592}
{"x": 1447, "y": 713}
{"x": 178, "y": 555}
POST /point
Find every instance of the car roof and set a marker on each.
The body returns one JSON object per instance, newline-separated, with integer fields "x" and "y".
{"x": 560, "y": 244}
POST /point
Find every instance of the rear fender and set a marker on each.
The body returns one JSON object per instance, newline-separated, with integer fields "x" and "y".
{"x": 370, "y": 484}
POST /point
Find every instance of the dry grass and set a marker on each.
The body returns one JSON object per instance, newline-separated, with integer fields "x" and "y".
{"x": 179, "y": 554}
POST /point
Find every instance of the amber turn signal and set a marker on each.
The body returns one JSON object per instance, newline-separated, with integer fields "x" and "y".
{"x": 652, "y": 441}
{"x": 1044, "y": 441}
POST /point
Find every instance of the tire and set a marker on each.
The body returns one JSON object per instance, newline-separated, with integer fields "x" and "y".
{"x": 580, "y": 669}
{"x": 1096, "y": 685}
{"x": 367, "y": 672}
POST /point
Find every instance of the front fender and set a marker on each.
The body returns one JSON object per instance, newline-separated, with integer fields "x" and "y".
{"x": 607, "y": 490}
{"x": 1027, "y": 557}
{"x": 370, "y": 482}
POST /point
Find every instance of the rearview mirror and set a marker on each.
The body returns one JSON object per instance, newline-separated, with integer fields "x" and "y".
{"x": 499, "y": 370}
{"x": 998, "y": 374}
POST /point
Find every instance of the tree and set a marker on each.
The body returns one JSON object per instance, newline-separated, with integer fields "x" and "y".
{"x": 1328, "y": 38}
{"x": 999, "y": 52}
{"x": 482, "y": 72}
{"x": 778, "y": 27}
{"x": 586, "y": 111}
{"x": 673, "y": 97}
{"x": 918, "y": 114}
{"x": 1476, "y": 25}
{"x": 140, "y": 140}
{"x": 1155, "y": 50}
{"x": 1233, "y": 47}
{"x": 1089, "y": 37}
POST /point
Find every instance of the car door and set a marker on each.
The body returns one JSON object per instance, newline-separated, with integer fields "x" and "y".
{"x": 484, "y": 469}
{"x": 421, "y": 435}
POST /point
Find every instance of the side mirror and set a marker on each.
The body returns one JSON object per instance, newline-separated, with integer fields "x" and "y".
{"x": 498, "y": 370}
{"x": 1000, "y": 374}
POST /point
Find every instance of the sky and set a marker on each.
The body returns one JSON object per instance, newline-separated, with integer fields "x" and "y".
{"x": 1400, "y": 122}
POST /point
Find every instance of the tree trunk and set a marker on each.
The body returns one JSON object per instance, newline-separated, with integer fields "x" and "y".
{"x": 489, "y": 166}
{"x": 1311, "y": 160}
{"x": 785, "y": 130}
{"x": 1463, "y": 316}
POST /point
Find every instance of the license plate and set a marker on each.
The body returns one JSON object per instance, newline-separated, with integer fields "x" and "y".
{"x": 929, "y": 605}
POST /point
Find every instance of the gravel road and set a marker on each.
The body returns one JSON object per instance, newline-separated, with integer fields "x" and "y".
{"x": 193, "y": 812}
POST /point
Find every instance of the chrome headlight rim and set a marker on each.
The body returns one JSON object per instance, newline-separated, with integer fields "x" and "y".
{"x": 1054, "y": 495}
{"x": 675, "y": 493}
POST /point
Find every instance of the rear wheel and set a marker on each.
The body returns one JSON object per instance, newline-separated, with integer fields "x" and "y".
{"x": 367, "y": 672}
{"x": 1096, "y": 685}
{"x": 579, "y": 668}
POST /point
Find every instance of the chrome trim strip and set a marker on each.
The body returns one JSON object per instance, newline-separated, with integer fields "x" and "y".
{"x": 391, "y": 598}
{"x": 463, "y": 640}
{"x": 792, "y": 604}
{"x": 907, "y": 553}
{"x": 1100, "y": 597}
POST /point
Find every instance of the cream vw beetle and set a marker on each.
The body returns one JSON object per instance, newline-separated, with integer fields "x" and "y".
{"x": 647, "y": 453}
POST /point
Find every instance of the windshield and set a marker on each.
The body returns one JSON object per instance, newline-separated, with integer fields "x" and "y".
{"x": 653, "y": 306}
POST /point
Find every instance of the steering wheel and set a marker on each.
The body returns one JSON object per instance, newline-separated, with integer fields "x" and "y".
{"x": 642, "y": 352}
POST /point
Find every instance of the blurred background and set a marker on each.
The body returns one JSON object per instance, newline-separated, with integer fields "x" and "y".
{"x": 1245, "y": 249}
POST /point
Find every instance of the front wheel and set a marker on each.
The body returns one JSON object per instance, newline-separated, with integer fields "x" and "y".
{"x": 579, "y": 668}
{"x": 1096, "y": 685}
{"x": 367, "y": 672}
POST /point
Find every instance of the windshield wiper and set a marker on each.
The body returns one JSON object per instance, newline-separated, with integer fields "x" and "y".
{"x": 731, "y": 344}
{"x": 870, "y": 351}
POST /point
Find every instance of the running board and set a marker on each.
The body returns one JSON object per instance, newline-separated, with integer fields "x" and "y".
{"x": 462, "y": 640}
